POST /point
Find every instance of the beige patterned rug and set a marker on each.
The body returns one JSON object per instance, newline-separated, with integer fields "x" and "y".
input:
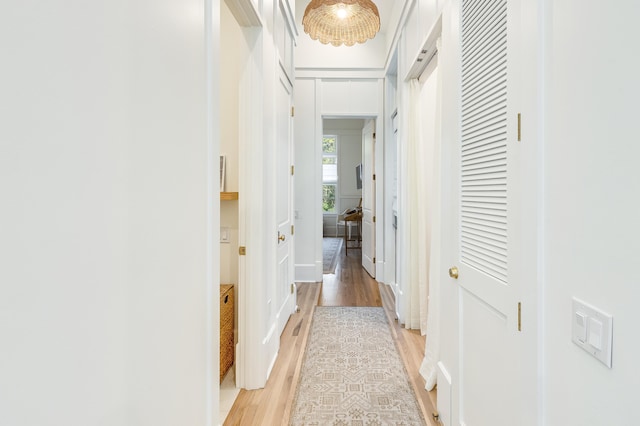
{"x": 352, "y": 373}
{"x": 330, "y": 251}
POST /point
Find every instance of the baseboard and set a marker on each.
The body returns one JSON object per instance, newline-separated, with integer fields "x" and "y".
{"x": 380, "y": 269}
{"x": 444, "y": 395}
{"x": 305, "y": 273}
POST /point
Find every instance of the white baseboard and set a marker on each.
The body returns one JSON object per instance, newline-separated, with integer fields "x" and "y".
{"x": 444, "y": 395}
{"x": 380, "y": 270}
{"x": 305, "y": 273}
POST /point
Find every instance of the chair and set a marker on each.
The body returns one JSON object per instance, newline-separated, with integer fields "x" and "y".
{"x": 348, "y": 218}
{"x": 347, "y": 224}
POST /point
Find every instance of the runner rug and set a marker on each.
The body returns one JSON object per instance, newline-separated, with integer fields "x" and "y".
{"x": 330, "y": 250}
{"x": 352, "y": 373}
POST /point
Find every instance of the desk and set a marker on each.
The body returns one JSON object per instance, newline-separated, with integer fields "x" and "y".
{"x": 353, "y": 217}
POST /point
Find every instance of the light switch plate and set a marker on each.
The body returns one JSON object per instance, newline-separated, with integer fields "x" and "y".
{"x": 592, "y": 330}
{"x": 580, "y": 326}
{"x": 224, "y": 234}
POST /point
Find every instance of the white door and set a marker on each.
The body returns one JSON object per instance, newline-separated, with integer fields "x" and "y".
{"x": 488, "y": 203}
{"x": 368, "y": 198}
{"x": 284, "y": 298}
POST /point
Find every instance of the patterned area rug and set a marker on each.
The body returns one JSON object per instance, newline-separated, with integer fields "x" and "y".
{"x": 330, "y": 251}
{"x": 352, "y": 373}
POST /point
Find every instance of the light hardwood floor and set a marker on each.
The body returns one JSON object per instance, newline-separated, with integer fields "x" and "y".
{"x": 350, "y": 286}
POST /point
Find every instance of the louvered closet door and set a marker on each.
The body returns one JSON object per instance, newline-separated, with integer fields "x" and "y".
{"x": 487, "y": 253}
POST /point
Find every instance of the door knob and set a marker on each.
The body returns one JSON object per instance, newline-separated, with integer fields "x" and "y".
{"x": 281, "y": 237}
{"x": 453, "y": 272}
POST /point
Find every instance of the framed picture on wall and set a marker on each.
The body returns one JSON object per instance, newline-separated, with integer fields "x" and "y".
{"x": 223, "y": 162}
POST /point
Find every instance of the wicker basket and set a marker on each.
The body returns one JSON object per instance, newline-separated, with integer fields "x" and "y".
{"x": 226, "y": 329}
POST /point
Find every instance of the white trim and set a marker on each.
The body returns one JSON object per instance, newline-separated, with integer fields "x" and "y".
{"x": 306, "y": 273}
{"x": 318, "y": 217}
{"x": 245, "y": 12}
{"x": 340, "y": 74}
{"x": 444, "y": 394}
{"x": 212, "y": 315}
{"x": 427, "y": 52}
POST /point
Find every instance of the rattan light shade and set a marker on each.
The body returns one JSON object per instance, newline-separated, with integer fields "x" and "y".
{"x": 341, "y": 21}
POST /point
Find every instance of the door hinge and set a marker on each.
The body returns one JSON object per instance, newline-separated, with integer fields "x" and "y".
{"x": 293, "y": 111}
{"x": 293, "y": 288}
{"x": 519, "y": 316}
{"x": 242, "y": 250}
{"x": 519, "y": 127}
{"x": 292, "y": 229}
{"x": 374, "y": 219}
{"x": 374, "y": 176}
{"x": 292, "y": 170}
{"x": 374, "y": 260}
{"x": 374, "y": 135}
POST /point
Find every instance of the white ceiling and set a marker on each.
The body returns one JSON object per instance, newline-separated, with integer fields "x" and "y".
{"x": 385, "y": 7}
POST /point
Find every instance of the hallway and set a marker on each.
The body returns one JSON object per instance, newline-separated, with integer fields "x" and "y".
{"x": 349, "y": 286}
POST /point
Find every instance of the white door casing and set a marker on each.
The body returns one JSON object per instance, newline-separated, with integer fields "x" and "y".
{"x": 368, "y": 198}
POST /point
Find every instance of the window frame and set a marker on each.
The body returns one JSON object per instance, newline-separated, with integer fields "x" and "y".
{"x": 336, "y": 182}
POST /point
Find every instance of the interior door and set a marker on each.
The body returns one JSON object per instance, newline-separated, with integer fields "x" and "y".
{"x": 285, "y": 295}
{"x": 487, "y": 205}
{"x": 368, "y": 198}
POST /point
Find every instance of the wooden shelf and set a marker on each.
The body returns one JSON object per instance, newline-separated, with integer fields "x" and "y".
{"x": 227, "y": 196}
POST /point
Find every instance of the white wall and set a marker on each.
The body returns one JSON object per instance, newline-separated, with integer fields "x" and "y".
{"x": 391, "y": 177}
{"x": 591, "y": 207}
{"x": 308, "y": 154}
{"x": 107, "y": 225}
{"x": 232, "y": 54}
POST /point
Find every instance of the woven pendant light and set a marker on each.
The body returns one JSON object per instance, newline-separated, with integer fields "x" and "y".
{"x": 340, "y": 22}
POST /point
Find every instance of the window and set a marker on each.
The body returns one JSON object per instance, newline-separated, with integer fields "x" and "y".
{"x": 329, "y": 173}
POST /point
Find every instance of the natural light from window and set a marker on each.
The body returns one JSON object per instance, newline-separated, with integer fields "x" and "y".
{"x": 329, "y": 173}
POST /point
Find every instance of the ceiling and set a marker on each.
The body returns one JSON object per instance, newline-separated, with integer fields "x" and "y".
{"x": 385, "y": 8}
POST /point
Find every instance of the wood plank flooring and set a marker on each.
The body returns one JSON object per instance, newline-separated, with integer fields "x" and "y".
{"x": 350, "y": 286}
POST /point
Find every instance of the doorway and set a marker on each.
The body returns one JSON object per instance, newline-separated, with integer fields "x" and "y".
{"x": 341, "y": 156}
{"x": 348, "y": 185}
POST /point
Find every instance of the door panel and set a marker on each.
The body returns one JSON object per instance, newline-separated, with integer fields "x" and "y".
{"x": 487, "y": 203}
{"x": 284, "y": 295}
{"x": 485, "y": 363}
{"x": 368, "y": 198}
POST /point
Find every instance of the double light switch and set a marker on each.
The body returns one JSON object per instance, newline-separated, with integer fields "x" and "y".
{"x": 592, "y": 330}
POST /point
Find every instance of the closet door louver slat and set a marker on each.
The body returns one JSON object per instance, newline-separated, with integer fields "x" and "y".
{"x": 484, "y": 200}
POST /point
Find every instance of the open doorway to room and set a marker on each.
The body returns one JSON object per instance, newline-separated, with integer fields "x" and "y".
{"x": 341, "y": 189}
{"x": 348, "y": 191}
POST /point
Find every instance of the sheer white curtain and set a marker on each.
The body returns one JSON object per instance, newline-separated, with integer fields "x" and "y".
{"x": 413, "y": 275}
{"x": 431, "y": 101}
{"x": 419, "y": 213}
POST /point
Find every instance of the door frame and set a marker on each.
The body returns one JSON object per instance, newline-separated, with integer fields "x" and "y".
{"x": 379, "y": 189}
{"x": 369, "y": 179}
